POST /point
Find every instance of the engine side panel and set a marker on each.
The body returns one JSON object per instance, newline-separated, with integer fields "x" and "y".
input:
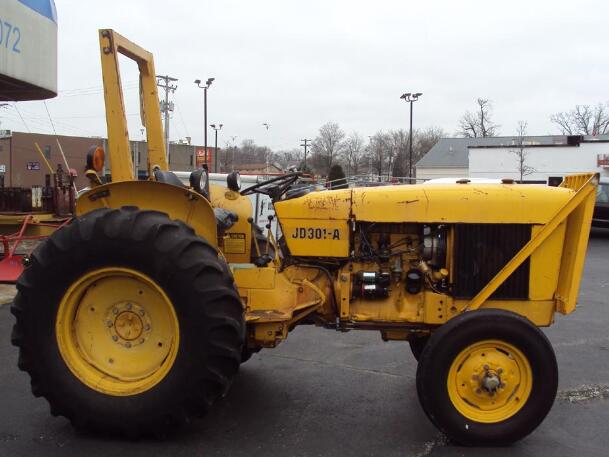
{"x": 317, "y": 224}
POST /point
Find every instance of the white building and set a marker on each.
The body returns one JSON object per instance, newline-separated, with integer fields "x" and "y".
{"x": 546, "y": 157}
{"x": 541, "y": 162}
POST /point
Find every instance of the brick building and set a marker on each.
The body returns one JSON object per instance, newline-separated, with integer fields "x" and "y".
{"x": 22, "y": 166}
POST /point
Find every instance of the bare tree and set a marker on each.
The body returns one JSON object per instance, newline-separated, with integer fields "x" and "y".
{"x": 380, "y": 152}
{"x": 328, "y": 144}
{"x": 425, "y": 140}
{"x": 353, "y": 152}
{"x": 478, "y": 123}
{"x": 520, "y": 151}
{"x": 583, "y": 120}
{"x": 289, "y": 157}
{"x": 388, "y": 152}
{"x": 398, "y": 151}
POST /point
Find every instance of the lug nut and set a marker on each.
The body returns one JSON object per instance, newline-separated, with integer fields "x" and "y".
{"x": 109, "y": 323}
{"x": 142, "y": 312}
{"x": 127, "y": 344}
{"x": 129, "y": 305}
{"x": 115, "y": 310}
{"x": 114, "y": 338}
{"x": 147, "y": 327}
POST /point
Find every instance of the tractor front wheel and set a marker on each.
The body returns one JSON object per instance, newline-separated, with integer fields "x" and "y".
{"x": 487, "y": 378}
{"x": 128, "y": 322}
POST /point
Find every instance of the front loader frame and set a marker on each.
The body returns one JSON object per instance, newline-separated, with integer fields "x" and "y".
{"x": 578, "y": 213}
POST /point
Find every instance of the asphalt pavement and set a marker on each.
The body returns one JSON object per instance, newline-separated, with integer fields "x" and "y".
{"x": 323, "y": 393}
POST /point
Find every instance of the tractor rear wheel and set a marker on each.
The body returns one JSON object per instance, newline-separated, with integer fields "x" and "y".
{"x": 487, "y": 378}
{"x": 128, "y": 322}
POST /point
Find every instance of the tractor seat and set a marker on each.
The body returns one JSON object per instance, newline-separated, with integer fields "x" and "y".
{"x": 168, "y": 177}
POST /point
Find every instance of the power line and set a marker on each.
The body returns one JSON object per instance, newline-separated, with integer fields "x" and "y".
{"x": 182, "y": 120}
{"x": 50, "y": 119}
{"x": 164, "y": 83}
{"x": 22, "y": 120}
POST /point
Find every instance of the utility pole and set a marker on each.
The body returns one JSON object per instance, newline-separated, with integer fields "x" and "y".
{"x": 305, "y": 144}
{"x": 164, "y": 82}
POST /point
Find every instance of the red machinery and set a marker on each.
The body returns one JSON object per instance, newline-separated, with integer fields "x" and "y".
{"x": 11, "y": 264}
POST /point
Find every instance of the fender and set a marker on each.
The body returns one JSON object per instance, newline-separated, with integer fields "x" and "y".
{"x": 179, "y": 203}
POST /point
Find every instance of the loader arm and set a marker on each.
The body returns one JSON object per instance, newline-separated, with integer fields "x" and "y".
{"x": 111, "y": 45}
{"x": 578, "y": 213}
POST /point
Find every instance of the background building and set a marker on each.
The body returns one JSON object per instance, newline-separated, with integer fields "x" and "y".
{"x": 544, "y": 157}
{"x": 22, "y": 166}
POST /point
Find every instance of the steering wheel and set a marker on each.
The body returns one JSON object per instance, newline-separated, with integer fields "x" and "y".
{"x": 274, "y": 187}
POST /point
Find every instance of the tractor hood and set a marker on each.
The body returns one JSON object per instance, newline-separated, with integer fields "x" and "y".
{"x": 431, "y": 203}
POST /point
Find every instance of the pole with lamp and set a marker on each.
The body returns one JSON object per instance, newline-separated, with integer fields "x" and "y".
{"x": 216, "y": 128}
{"x": 266, "y": 125}
{"x": 205, "y": 87}
{"x": 233, "y": 147}
{"x": 410, "y": 98}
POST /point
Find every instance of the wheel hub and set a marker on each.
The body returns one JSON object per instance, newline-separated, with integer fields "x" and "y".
{"x": 489, "y": 381}
{"x": 128, "y": 324}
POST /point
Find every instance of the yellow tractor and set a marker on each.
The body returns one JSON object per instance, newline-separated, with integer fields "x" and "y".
{"x": 137, "y": 314}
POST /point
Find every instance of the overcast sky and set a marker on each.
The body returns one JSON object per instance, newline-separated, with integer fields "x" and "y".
{"x": 297, "y": 65}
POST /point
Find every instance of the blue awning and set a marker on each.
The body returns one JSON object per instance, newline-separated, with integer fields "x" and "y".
{"x": 44, "y": 7}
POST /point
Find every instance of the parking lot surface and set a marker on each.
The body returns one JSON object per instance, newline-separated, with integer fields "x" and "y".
{"x": 323, "y": 393}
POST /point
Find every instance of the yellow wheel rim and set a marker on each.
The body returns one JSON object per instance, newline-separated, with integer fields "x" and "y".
{"x": 117, "y": 331}
{"x": 489, "y": 381}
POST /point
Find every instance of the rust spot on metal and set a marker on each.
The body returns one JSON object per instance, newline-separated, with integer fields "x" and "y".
{"x": 409, "y": 201}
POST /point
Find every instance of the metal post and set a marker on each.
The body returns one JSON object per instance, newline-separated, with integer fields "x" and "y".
{"x": 166, "y": 107}
{"x": 216, "y": 128}
{"x": 167, "y": 152}
{"x": 410, "y": 98}
{"x": 306, "y": 142}
{"x": 410, "y": 146}
{"x": 136, "y": 159}
{"x": 205, "y": 121}
{"x": 205, "y": 87}
{"x": 216, "y": 153}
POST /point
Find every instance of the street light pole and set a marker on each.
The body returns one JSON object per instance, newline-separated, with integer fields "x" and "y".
{"x": 410, "y": 98}
{"x": 266, "y": 125}
{"x": 216, "y": 128}
{"x": 233, "y": 147}
{"x": 205, "y": 87}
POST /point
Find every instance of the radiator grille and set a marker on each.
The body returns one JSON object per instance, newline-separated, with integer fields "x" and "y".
{"x": 481, "y": 250}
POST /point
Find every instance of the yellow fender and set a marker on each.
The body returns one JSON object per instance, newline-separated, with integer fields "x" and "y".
{"x": 179, "y": 203}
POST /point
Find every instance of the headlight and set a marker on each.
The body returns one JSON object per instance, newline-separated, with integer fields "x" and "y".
{"x": 199, "y": 181}
{"x": 233, "y": 180}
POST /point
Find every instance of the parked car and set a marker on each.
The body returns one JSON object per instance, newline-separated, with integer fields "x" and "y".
{"x": 600, "y": 218}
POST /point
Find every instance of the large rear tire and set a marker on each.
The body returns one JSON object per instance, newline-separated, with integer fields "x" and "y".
{"x": 487, "y": 378}
{"x": 128, "y": 322}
